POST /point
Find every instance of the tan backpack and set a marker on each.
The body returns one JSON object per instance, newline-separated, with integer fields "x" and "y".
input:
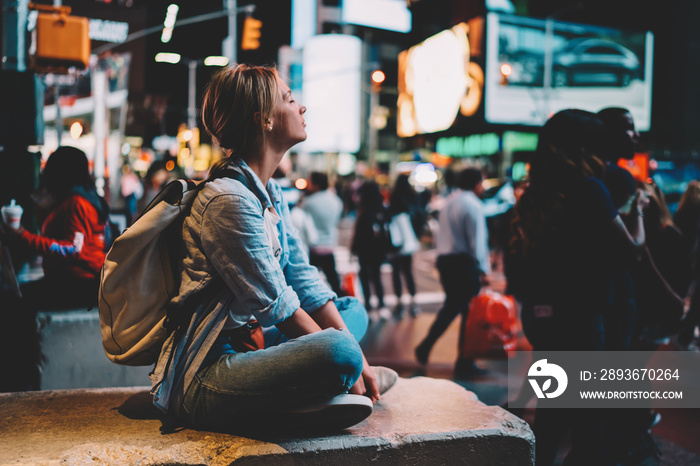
{"x": 140, "y": 277}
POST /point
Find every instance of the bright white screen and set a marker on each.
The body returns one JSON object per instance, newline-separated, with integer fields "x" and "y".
{"x": 331, "y": 87}
{"x": 392, "y": 15}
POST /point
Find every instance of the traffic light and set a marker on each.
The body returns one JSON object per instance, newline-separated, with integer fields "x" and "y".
{"x": 61, "y": 41}
{"x": 378, "y": 77}
{"x": 251, "y": 34}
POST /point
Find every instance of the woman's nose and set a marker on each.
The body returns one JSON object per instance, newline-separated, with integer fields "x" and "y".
{"x": 302, "y": 110}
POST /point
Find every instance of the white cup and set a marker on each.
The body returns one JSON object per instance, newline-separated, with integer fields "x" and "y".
{"x": 12, "y": 214}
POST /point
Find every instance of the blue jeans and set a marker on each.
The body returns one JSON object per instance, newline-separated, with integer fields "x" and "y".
{"x": 239, "y": 388}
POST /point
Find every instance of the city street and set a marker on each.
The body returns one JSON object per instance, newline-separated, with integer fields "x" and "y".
{"x": 392, "y": 342}
{"x": 555, "y": 117}
{"x": 73, "y": 345}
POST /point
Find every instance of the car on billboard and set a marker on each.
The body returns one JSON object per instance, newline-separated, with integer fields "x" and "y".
{"x": 593, "y": 62}
{"x": 581, "y": 62}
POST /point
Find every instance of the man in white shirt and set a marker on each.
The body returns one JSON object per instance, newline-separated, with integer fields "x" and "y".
{"x": 325, "y": 208}
{"x": 462, "y": 260}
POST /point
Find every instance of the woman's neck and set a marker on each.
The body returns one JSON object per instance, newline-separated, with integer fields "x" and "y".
{"x": 264, "y": 163}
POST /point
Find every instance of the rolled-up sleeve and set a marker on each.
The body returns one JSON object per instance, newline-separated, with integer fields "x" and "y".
{"x": 304, "y": 278}
{"x": 233, "y": 239}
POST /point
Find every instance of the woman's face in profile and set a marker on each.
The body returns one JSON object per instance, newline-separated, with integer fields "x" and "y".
{"x": 288, "y": 126}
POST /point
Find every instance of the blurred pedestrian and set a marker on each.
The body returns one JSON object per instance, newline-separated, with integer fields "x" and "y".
{"x": 565, "y": 223}
{"x": 407, "y": 219}
{"x": 71, "y": 244}
{"x": 371, "y": 244}
{"x": 640, "y": 310}
{"x": 157, "y": 176}
{"x": 71, "y": 241}
{"x": 304, "y": 224}
{"x": 325, "y": 208}
{"x": 621, "y": 142}
{"x": 659, "y": 280}
{"x": 462, "y": 260}
{"x": 663, "y": 278}
{"x": 687, "y": 217}
{"x": 131, "y": 191}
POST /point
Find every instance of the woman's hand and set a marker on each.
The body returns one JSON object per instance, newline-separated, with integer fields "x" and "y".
{"x": 367, "y": 383}
{"x": 327, "y": 316}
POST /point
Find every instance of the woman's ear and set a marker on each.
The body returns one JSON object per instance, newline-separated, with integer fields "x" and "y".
{"x": 264, "y": 122}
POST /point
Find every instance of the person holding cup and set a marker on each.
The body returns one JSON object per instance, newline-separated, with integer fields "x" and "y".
{"x": 12, "y": 214}
{"x": 71, "y": 243}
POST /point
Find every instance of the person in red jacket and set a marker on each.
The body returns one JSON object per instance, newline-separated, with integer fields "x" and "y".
{"x": 72, "y": 245}
{"x": 72, "y": 238}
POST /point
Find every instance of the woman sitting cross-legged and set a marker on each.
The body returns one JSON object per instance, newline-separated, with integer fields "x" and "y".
{"x": 269, "y": 344}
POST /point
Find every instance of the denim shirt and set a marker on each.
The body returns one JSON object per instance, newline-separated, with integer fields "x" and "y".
{"x": 224, "y": 235}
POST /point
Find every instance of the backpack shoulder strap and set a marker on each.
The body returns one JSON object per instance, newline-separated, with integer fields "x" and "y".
{"x": 172, "y": 193}
{"x": 231, "y": 173}
{"x": 236, "y": 175}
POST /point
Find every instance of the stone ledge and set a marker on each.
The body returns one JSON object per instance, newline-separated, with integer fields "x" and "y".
{"x": 74, "y": 356}
{"x": 419, "y": 421}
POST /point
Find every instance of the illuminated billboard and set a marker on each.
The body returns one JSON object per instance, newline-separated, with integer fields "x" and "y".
{"x": 437, "y": 82}
{"x": 535, "y": 68}
{"x": 523, "y": 81}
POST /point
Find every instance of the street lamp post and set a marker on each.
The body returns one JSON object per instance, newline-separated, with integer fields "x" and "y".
{"x": 191, "y": 94}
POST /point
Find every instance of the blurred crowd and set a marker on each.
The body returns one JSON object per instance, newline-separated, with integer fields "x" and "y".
{"x": 595, "y": 258}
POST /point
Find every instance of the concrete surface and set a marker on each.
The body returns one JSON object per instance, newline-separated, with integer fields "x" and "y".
{"x": 74, "y": 357}
{"x": 420, "y": 421}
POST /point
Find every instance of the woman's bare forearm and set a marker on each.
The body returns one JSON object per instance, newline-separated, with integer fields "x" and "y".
{"x": 298, "y": 324}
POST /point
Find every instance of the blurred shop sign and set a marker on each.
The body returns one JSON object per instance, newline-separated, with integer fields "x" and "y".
{"x": 638, "y": 166}
{"x": 477, "y": 145}
{"x": 518, "y": 141}
{"x": 470, "y": 146}
{"x": 108, "y": 31}
{"x": 51, "y": 79}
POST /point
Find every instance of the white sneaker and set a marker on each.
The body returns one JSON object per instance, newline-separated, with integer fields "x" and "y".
{"x": 338, "y": 412}
{"x": 386, "y": 378}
